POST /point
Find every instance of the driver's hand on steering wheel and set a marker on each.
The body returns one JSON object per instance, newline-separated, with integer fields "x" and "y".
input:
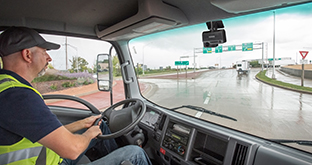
{"x": 93, "y": 132}
{"x": 89, "y": 121}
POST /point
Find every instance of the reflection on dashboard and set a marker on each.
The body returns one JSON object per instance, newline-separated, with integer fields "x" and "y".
{"x": 150, "y": 118}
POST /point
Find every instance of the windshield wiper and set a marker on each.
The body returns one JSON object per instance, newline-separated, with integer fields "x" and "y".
{"x": 300, "y": 142}
{"x": 203, "y": 110}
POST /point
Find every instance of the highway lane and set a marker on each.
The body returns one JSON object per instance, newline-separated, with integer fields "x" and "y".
{"x": 260, "y": 109}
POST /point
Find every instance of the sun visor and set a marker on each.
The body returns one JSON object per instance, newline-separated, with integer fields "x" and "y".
{"x": 149, "y": 19}
{"x": 241, "y": 6}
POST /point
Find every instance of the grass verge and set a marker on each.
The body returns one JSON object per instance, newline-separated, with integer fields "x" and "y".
{"x": 262, "y": 77}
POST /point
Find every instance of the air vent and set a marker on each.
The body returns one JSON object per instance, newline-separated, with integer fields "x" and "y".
{"x": 240, "y": 154}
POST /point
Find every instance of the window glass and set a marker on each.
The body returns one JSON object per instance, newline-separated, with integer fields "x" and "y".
{"x": 72, "y": 71}
{"x": 179, "y": 72}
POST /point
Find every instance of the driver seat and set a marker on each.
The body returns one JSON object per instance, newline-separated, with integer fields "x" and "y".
{"x": 84, "y": 160}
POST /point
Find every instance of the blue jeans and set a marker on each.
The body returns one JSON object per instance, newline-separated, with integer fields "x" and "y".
{"x": 134, "y": 154}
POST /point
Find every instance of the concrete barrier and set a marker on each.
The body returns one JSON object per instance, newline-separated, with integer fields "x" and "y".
{"x": 296, "y": 70}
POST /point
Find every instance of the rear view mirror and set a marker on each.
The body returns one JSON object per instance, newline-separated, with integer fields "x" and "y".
{"x": 104, "y": 73}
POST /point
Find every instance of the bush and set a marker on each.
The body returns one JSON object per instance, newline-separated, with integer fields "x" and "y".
{"x": 51, "y": 78}
{"x": 88, "y": 81}
{"x": 53, "y": 87}
{"x": 68, "y": 84}
{"x": 76, "y": 75}
{"x": 84, "y": 81}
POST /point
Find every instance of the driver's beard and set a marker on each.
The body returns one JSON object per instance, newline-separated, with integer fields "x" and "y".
{"x": 42, "y": 72}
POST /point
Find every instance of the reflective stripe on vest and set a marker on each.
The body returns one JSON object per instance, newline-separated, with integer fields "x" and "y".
{"x": 8, "y": 81}
{"x": 20, "y": 155}
{"x": 24, "y": 151}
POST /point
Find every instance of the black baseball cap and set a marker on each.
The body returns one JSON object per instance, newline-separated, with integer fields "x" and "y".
{"x": 16, "y": 39}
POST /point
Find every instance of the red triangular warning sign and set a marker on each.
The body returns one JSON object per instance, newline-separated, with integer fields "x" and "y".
{"x": 304, "y": 54}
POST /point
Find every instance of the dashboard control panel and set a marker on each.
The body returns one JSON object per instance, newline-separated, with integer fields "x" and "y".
{"x": 176, "y": 138}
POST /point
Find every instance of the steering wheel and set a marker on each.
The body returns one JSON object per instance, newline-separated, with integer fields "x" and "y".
{"x": 123, "y": 120}
{"x": 120, "y": 121}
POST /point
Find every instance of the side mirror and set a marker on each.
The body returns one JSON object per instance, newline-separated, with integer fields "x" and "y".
{"x": 104, "y": 72}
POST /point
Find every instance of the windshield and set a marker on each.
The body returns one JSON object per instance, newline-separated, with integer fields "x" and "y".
{"x": 178, "y": 71}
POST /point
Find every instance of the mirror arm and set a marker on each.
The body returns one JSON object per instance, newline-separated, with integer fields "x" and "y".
{"x": 111, "y": 75}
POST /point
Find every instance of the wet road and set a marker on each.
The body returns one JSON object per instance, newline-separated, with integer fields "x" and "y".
{"x": 260, "y": 109}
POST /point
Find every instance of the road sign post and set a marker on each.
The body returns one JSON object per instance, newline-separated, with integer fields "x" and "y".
{"x": 303, "y": 55}
{"x": 179, "y": 63}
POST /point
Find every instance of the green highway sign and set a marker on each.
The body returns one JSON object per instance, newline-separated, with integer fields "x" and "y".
{"x": 231, "y": 48}
{"x": 247, "y": 46}
{"x": 185, "y": 62}
{"x": 181, "y": 63}
{"x": 218, "y": 49}
{"x": 177, "y": 63}
{"x": 207, "y": 50}
{"x": 271, "y": 59}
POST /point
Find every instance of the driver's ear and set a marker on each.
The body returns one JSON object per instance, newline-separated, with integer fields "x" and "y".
{"x": 27, "y": 55}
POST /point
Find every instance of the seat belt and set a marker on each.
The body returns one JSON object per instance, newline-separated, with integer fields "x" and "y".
{"x": 41, "y": 160}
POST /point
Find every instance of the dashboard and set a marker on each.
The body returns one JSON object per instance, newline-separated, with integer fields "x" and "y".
{"x": 178, "y": 139}
{"x": 171, "y": 138}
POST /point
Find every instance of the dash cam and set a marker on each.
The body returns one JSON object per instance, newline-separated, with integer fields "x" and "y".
{"x": 214, "y": 37}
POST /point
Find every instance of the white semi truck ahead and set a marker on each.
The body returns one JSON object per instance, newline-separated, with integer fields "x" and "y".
{"x": 242, "y": 67}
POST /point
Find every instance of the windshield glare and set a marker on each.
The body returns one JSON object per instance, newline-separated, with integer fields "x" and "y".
{"x": 180, "y": 72}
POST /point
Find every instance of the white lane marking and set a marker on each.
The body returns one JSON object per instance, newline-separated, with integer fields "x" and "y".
{"x": 207, "y": 98}
{"x": 198, "y": 114}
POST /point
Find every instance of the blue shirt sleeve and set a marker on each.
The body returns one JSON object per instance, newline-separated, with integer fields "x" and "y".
{"x": 24, "y": 114}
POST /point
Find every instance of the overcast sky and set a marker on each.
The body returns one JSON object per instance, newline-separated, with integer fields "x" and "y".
{"x": 85, "y": 48}
{"x": 292, "y": 34}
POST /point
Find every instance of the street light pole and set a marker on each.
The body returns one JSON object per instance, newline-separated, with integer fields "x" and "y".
{"x": 143, "y": 62}
{"x": 194, "y": 61}
{"x": 143, "y": 56}
{"x": 273, "y": 74}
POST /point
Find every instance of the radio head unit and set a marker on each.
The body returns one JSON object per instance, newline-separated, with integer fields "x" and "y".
{"x": 176, "y": 138}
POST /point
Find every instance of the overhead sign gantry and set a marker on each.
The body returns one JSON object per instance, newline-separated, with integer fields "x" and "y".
{"x": 250, "y": 46}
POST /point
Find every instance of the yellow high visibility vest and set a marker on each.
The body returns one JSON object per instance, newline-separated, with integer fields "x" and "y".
{"x": 23, "y": 152}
